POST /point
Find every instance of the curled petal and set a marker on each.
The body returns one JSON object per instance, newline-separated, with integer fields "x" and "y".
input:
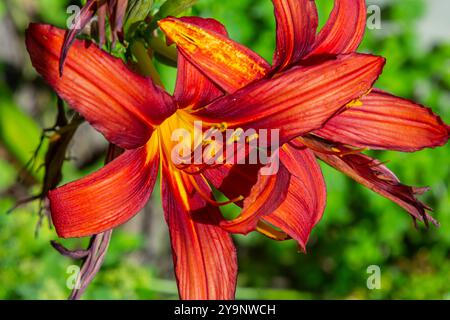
{"x": 228, "y": 63}
{"x": 384, "y": 121}
{"x": 234, "y": 181}
{"x": 120, "y": 104}
{"x": 306, "y": 199}
{"x": 204, "y": 255}
{"x": 265, "y": 197}
{"x": 193, "y": 89}
{"x": 297, "y": 22}
{"x": 107, "y": 198}
{"x": 344, "y": 29}
{"x": 299, "y": 100}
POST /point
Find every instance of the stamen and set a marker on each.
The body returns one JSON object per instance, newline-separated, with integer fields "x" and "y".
{"x": 354, "y": 103}
{"x": 337, "y": 150}
{"x": 252, "y": 137}
{"x": 352, "y": 151}
{"x": 222, "y": 127}
{"x": 270, "y": 232}
{"x": 207, "y": 198}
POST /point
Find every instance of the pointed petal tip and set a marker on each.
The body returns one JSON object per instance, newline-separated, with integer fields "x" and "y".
{"x": 302, "y": 248}
{"x": 374, "y": 175}
{"x": 41, "y": 30}
{"x": 167, "y": 25}
{"x": 447, "y": 136}
{"x": 384, "y": 121}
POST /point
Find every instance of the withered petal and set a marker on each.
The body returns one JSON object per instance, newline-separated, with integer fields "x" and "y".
{"x": 228, "y": 63}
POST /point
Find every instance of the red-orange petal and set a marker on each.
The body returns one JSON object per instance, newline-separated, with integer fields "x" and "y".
{"x": 120, "y": 104}
{"x": 226, "y": 62}
{"x": 306, "y": 199}
{"x": 344, "y": 29}
{"x": 204, "y": 255}
{"x": 384, "y": 121}
{"x": 297, "y": 22}
{"x": 264, "y": 198}
{"x": 193, "y": 89}
{"x": 299, "y": 100}
{"x": 107, "y": 198}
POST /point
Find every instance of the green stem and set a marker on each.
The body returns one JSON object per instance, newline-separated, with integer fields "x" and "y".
{"x": 145, "y": 65}
{"x": 160, "y": 47}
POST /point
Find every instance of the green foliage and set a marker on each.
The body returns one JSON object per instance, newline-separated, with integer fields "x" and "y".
{"x": 174, "y": 8}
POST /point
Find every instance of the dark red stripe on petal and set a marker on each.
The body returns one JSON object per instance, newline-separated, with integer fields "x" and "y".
{"x": 384, "y": 121}
{"x": 117, "y": 102}
{"x": 344, "y": 30}
{"x": 107, "y": 198}
{"x": 297, "y": 22}
{"x": 204, "y": 255}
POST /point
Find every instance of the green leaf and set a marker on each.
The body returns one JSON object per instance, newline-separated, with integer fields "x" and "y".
{"x": 20, "y": 134}
{"x": 173, "y": 8}
{"x": 7, "y": 174}
{"x": 138, "y": 10}
{"x": 2, "y": 8}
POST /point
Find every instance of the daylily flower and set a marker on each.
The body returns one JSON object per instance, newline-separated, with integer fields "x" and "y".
{"x": 298, "y": 97}
{"x": 114, "y": 10}
{"x": 375, "y": 120}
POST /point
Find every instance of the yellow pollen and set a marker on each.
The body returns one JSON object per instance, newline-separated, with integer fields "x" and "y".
{"x": 252, "y": 137}
{"x": 223, "y": 127}
{"x": 270, "y": 232}
{"x": 336, "y": 150}
{"x": 354, "y": 103}
{"x": 207, "y": 198}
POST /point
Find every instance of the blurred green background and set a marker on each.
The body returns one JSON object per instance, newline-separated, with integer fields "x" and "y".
{"x": 359, "y": 228}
